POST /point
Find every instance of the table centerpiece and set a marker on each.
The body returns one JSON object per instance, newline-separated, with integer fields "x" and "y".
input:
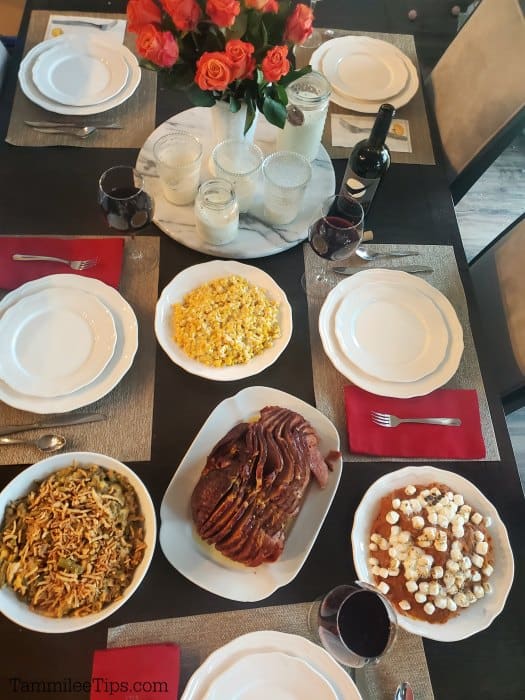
{"x": 233, "y": 55}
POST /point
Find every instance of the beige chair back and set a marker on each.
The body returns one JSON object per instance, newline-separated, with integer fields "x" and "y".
{"x": 478, "y": 86}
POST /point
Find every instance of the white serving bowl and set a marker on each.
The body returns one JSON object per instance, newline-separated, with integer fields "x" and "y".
{"x": 470, "y": 620}
{"x": 18, "y": 611}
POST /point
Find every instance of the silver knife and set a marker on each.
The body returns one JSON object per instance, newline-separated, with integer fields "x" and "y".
{"x": 54, "y": 422}
{"x": 402, "y": 268}
{"x": 67, "y": 125}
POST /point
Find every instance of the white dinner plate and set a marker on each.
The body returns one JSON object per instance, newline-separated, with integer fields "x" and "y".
{"x": 55, "y": 343}
{"x": 365, "y": 71}
{"x": 368, "y": 106}
{"x": 16, "y": 609}
{"x": 125, "y": 347}
{"x": 270, "y": 675}
{"x": 351, "y": 371}
{"x": 31, "y": 91}
{"x": 80, "y": 73}
{"x": 193, "y": 277}
{"x": 476, "y": 617}
{"x": 391, "y": 332}
{"x": 201, "y": 563}
{"x": 268, "y": 641}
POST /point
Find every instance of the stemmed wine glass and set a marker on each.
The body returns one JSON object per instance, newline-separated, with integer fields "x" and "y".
{"x": 334, "y": 236}
{"x": 355, "y": 623}
{"x": 127, "y": 207}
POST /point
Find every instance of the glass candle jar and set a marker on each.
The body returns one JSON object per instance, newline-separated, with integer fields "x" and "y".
{"x": 308, "y": 98}
{"x": 217, "y": 212}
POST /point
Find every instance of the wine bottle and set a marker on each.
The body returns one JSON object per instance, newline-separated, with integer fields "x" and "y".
{"x": 369, "y": 161}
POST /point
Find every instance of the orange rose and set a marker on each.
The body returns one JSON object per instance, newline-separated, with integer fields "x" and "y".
{"x": 241, "y": 59}
{"x": 156, "y": 46}
{"x": 262, "y": 5}
{"x": 299, "y": 25}
{"x": 223, "y": 12}
{"x": 214, "y": 71}
{"x": 184, "y": 13}
{"x": 275, "y": 64}
{"x": 141, "y": 12}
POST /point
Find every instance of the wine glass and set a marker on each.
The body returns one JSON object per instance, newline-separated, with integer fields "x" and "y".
{"x": 355, "y": 623}
{"x": 127, "y": 207}
{"x": 334, "y": 236}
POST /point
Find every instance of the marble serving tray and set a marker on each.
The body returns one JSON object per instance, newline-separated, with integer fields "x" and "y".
{"x": 256, "y": 238}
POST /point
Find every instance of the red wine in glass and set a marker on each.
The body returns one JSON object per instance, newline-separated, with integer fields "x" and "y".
{"x": 125, "y": 203}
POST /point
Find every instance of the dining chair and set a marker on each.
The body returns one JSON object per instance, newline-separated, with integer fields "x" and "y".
{"x": 476, "y": 91}
{"x": 499, "y": 285}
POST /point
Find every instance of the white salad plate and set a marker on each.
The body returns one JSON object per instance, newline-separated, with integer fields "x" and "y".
{"x": 267, "y": 642}
{"x": 476, "y": 617}
{"x": 270, "y": 675}
{"x": 203, "y": 564}
{"x": 32, "y": 92}
{"x": 55, "y": 343}
{"x": 358, "y": 69}
{"x": 125, "y": 347}
{"x": 390, "y": 332}
{"x": 368, "y": 106}
{"x": 16, "y": 609}
{"x": 193, "y": 277}
{"x": 80, "y": 73}
{"x": 399, "y": 389}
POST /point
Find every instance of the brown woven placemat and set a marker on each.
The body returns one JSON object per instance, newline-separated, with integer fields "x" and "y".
{"x": 200, "y": 635}
{"x": 126, "y": 434}
{"x": 136, "y": 115}
{"x": 414, "y": 112}
{"x": 329, "y": 383}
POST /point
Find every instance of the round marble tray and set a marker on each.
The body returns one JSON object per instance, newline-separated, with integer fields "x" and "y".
{"x": 256, "y": 238}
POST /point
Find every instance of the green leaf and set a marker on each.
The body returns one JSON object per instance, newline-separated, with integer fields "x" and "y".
{"x": 275, "y": 112}
{"x": 239, "y": 27}
{"x": 293, "y": 75}
{"x": 251, "y": 110}
{"x": 235, "y": 104}
{"x": 200, "y": 98}
{"x": 281, "y": 94}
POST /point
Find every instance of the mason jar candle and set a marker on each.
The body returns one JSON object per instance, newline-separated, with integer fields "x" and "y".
{"x": 217, "y": 212}
{"x": 308, "y": 98}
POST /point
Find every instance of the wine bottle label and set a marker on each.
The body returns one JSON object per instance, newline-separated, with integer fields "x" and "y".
{"x": 360, "y": 188}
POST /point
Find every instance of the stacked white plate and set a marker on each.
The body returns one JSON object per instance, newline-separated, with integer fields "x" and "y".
{"x": 391, "y": 333}
{"x": 364, "y": 73}
{"x": 263, "y": 665}
{"x": 66, "y": 341}
{"x": 79, "y": 75}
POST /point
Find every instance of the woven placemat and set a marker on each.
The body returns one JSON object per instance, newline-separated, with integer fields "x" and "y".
{"x": 129, "y": 406}
{"x": 199, "y": 635}
{"x": 136, "y": 115}
{"x": 329, "y": 383}
{"x": 414, "y": 112}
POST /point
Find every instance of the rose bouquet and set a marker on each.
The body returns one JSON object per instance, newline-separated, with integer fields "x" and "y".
{"x": 236, "y": 51}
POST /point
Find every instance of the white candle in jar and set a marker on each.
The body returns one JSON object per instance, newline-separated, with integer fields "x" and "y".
{"x": 217, "y": 212}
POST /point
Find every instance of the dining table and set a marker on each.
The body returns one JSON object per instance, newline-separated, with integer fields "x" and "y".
{"x": 53, "y": 192}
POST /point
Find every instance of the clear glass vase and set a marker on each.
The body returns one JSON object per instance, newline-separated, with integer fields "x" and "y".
{"x": 230, "y": 125}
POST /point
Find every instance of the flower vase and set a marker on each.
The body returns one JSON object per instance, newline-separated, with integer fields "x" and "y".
{"x": 230, "y": 125}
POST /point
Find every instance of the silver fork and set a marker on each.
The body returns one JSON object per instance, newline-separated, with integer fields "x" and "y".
{"x": 387, "y": 420}
{"x": 86, "y": 23}
{"x": 73, "y": 264}
{"x": 353, "y": 128}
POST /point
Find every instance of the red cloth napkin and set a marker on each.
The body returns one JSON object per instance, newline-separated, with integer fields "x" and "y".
{"x": 13, "y": 273}
{"x": 412, "y": 439}
{"x": 144, "y": 672}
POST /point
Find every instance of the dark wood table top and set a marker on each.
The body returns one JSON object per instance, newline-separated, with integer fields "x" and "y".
{"x": 53, "y": 191}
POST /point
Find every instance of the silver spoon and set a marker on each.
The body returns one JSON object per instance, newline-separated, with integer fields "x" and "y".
{"x": 45, "y": 443}
{"x": 365, "y": 254}
{"x": 81, "y": 133}
{"x": 404, "y": 692}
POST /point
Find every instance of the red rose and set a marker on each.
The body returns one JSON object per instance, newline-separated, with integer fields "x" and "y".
{"x": 141, "y": 12}
{"x": 223, "y": 12}
{"x": 299, "y": 25}
{"x": 241, "y": 59}
{"x": 262, "y": 5}
{"x": 275, "y": 64}
{"x": 157, "y": 47}
{"x": 184, "y": 13}
{"x": 214, "y": 71}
